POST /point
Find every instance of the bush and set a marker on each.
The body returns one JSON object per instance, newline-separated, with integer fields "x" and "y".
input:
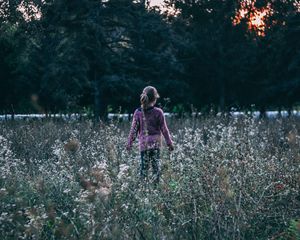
{"x": 228, "y": 178}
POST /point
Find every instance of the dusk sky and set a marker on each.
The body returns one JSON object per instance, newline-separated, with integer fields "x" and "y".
{"x": 156, "y": 2}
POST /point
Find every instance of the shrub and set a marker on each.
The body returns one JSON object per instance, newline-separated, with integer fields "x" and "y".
{"x": 228, "y": 178}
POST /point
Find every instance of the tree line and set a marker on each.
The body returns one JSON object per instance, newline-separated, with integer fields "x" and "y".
{"x": 97, "y": 55}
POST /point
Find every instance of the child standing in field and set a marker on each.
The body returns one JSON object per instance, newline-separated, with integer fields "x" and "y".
{"x": 150, "y": 124}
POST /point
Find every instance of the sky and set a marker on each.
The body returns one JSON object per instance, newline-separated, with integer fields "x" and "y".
{"x": 255, "y": 22}
{"x": 156, "y": 2}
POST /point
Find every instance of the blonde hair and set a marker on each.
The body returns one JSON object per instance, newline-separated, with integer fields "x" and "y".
{"x": 148, "y": 96}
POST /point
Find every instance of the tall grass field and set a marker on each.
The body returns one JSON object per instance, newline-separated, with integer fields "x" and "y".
{"x": 228, "y": 178}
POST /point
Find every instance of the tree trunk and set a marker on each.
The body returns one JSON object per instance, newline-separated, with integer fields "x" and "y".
{"x": 12, "y": 112}
{"x": 279, "y": 109}
{"x": 263, "y": 111}
{"x": 290, "y": 110}
{"x": 96, "y": 97}
{"x": 221, "y": 79}
{"x": 222, "y": 96}
{"x": 100, "y": 112}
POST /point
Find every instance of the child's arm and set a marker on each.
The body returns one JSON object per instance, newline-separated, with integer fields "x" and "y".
{"x": 165, "y": 131}
{"x": 133, "y": 130}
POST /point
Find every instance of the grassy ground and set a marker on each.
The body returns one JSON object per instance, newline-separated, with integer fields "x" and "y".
{"x": 226, "y": 179}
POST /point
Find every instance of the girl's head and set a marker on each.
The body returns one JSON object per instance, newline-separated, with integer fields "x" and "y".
{"x": 149, "y": 96}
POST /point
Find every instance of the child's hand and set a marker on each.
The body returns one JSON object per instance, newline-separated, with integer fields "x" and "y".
{"x": 171, "y": 148}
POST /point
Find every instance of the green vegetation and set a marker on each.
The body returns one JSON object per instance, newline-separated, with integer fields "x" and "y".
{"x": 72, "y": 56}
{"x": 228, "y": 178}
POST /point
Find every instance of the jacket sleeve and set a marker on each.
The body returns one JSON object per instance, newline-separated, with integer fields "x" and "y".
{"x": 133, "y": 130}
{"x": 164, "y": 128}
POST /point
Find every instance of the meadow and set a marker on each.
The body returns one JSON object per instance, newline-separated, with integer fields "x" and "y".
{"x": 228, "y": 178}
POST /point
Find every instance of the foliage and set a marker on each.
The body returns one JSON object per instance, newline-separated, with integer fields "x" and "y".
{"x": 64, "y": 56}
{"x": 227, "y": 179}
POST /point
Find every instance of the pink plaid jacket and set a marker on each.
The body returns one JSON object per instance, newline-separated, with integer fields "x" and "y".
{"x": 149, "y": 134}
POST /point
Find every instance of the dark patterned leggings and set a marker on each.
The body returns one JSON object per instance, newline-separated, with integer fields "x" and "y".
{"x": 150, "y": 156}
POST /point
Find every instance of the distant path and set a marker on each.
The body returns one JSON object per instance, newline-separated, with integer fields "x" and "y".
{"x": 125, "y": 116}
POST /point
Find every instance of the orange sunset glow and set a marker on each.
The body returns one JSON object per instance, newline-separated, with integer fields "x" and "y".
{"x": 255, "y": 17}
